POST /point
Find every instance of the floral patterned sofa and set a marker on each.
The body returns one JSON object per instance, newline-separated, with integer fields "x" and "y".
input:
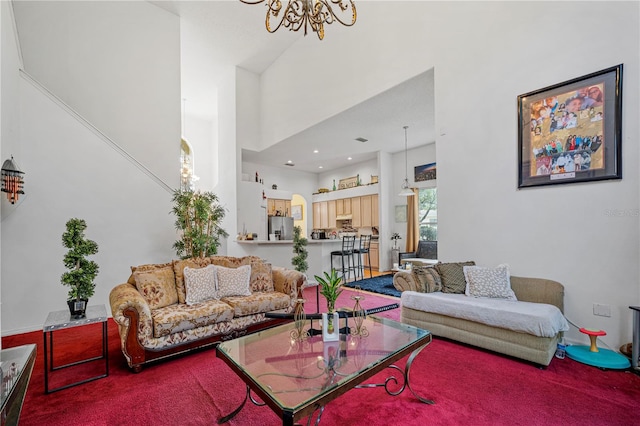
{"x": 156, "y": 318}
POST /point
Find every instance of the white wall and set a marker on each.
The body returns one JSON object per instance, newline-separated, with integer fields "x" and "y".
{"x": 70, "y": 171}
{"x": 485, "y": 54}
{"x": 200, "y": 133}
{"x": 365, "y": 169}
{"x": 294, "y": 181}
{"x": 415, "y": 157}
{"x": 10, "y": 61}
{"x": 107, "y": 60}
{"x": 126, "y": 212}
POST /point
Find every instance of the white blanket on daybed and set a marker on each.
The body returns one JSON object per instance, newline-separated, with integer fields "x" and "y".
{"x": 538, "y": 319}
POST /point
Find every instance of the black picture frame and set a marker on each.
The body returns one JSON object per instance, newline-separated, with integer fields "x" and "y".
{"x": 572, "y": 131}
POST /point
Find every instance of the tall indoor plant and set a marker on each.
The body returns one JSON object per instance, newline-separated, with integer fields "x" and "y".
{"x": 198, "y": 218}
{"x": 299, "y": 261}
{"x": 82, "y": 271}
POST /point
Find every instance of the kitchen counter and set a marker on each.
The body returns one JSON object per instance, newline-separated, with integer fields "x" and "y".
{"x": 288, "y": 242}
{"x": 279, "y": 253}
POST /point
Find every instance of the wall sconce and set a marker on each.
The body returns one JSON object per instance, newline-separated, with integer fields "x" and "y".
{"x": 12, "y": 181}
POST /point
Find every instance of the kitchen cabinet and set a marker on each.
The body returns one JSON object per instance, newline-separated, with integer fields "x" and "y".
{"x": 275, "y": 205}
{"x": 316, "y": 216}
{"x": 356, "y": 222}
{"x": 366, "y": 211}
{"x": 331, "y": 214}
{"x": 343, "y": 206}
{"x": 374, "y": 253}
{"x": 375, "y": 221}
{"x": 324, "y": 214}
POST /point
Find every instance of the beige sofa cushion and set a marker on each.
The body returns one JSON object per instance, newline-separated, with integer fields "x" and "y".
{"x": 257, "y": 303}
{"x": 181, "y": 317}
{"x": 157, "y": 286}
{"x": 452, "y": 276}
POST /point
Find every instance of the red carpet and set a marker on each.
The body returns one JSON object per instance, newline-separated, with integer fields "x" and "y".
{"x": 469, "y": 386}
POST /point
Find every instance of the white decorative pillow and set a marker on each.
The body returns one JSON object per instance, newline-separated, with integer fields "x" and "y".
{"x": 200, "y": 284}
{"x": 234, "y": 281}
{"x": 488, "y": 282}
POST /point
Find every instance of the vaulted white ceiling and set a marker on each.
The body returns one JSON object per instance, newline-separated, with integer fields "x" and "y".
{"x": 219, "y": 35}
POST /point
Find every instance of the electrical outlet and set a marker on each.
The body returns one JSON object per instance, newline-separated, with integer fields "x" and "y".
{"x": 601, "y": 310}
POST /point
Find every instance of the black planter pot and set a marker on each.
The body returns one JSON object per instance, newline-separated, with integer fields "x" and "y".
{"x": 77, "y": 308}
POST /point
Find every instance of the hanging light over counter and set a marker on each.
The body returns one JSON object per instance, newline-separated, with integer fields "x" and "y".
{"x": 405, "y": 190}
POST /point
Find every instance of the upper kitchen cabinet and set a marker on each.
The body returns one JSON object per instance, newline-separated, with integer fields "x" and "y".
{"x": 278, "y": 207}
{"x": 324, "y": 214}
{"x": 366, "y": 211}
{"x": 356, "y": 221}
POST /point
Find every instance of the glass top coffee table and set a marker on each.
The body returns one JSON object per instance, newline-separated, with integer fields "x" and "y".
{"x": 296, "y": 378}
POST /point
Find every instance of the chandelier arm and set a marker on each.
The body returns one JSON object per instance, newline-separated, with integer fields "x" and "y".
{"x": 334, "y": 17}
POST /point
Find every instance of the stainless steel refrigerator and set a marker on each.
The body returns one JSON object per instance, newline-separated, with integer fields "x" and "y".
{"x": 282, "y": 226}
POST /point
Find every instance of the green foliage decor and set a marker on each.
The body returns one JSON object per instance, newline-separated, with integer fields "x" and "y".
{"x": 82, "y": 271}
{"x": 330, "y": 288}
{"x": 198, "y": 217}
{"x": 299, "y": 261}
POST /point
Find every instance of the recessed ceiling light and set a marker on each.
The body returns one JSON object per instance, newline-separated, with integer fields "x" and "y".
{"x": 361, "y": 139}
{"x": 320, "y": 167}
{"x": 315, "y": 151}
{"x": 289, "y": 163}
{"x": 349, "y": 158}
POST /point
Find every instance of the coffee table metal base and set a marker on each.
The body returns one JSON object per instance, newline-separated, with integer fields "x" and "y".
{"x": 287, "y": 419}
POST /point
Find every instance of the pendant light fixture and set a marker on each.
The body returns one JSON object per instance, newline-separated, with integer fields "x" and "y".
{"x": 406, "y": 191}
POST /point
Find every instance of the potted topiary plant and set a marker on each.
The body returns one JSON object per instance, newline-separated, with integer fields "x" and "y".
{"x": 82, "y": 271}
{"x": 299, "y": 261}
{"x": 198, "y": 217}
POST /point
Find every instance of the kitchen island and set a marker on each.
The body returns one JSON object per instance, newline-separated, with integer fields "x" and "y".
{"x": 279, "y": 253}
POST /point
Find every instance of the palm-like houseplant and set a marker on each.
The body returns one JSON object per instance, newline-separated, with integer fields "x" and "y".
{"x": 82, "y": 271}
{"x": 198, "y": 217}
{"x": 330, "y": 288}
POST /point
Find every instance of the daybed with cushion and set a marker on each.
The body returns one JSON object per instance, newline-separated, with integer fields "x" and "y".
{"x": 485, "y": 307}
{"x": 169, "y": 308}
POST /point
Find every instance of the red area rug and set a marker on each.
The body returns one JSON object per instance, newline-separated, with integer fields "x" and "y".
{"x": 469, "y": 386}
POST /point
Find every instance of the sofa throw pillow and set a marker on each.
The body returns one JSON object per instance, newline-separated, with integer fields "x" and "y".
{"x": 452, "y": 276}
{"x": 178, "y": 270}
{"x": 233, "y": 281}
{"x": 261, "y": 277}
{"x": 145, "y": 268}
{"x": 427, "y": 278}
{"x": 489, "y": 282}
{"x": 200, "y": 284}
{"x": 157, "y": 286}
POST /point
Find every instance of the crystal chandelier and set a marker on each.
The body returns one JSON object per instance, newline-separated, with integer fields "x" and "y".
{"x": 307, "y": 13}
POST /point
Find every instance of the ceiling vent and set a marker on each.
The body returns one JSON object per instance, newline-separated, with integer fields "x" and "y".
{"x": 363, "y": 140}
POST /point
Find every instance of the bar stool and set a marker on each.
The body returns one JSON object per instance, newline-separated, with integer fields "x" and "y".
{"x": 346, "y": 256}
{"x": 363, "y": 250}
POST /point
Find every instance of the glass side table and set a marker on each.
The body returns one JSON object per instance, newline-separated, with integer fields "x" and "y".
{"x": 16, "y": 365}
{"x": 60, "y": 320}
